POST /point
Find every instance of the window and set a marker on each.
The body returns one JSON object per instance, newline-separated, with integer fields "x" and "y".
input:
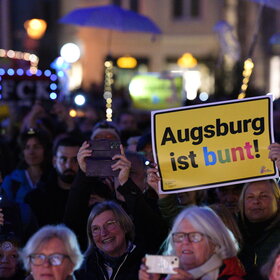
{"x": 184, "y": 9}
{"x": 117, "y": 2}
{"x": 128, "y": 4}
{"x": 134, "y": 5}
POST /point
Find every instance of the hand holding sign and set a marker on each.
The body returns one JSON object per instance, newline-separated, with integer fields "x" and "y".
{"x": 214, "y": 144}
{"x": 274, "y": 153}
{"x": 153, "y": 178}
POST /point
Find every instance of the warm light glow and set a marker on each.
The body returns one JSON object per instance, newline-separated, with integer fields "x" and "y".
{"x": 187, "y": 61}
{"x": 108, "y": 82}
{"x": 32, "y": 58}
{"x": 241, "y": 95}
{"x": 35, "y": 28}
{"x": 248, "y": 64}
{"x": 73, "y": 113}
{"x": 247, "y": 71}
{"x": 127, "y": 62}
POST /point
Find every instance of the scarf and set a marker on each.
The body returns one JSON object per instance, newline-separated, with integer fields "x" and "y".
{"x": 209, "y": 270}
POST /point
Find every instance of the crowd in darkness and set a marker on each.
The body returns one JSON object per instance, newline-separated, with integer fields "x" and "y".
{"x": 57, "y": 222}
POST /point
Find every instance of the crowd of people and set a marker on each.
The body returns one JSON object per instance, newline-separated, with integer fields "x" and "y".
{"x": 58, "y": 223}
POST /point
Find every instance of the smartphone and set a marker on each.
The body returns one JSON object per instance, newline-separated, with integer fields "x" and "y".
{"x": 162, "y": 264}
{"x": 100, "y": 162}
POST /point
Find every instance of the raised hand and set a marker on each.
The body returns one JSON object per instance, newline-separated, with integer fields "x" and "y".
{"x": 122, "y": 164}
{"x": 274, "y": 153}
{"x": 83, "y": 153}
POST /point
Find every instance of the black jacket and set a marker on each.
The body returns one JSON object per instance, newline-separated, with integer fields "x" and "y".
{"x": 94, "y": 268}
{"x": 48, "y": 201}
{"x": 150, "y": 229}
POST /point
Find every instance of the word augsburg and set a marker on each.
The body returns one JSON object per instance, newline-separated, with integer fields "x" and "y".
{"x": 198, "y": 133}
{"x": 228, "y": 155}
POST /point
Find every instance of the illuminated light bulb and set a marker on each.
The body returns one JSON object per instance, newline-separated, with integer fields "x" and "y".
{"x": 53, "y": 86}
{"x": 203, "y": 96}
{"x": 128, "y": 62}
{"x": 35, "y": 28}
{"x": 241, "y": 95}
{"x": 187, "y": 60}
{"x": 70, "y": 52}
{"x": 248, "y": 63}
{"x": 26, "y": 56}
{"x": 18, "y": 55}
{"x": 109, "y": 111}
{"x": 33, "y": 58}
{"x": 72, "y": 113}
{"x": 10, "y": 72}
{"x": 33, "y": 70}
{"x": 107, "y": 64}
{"x": 53, "y": 77}
{"x": 39, "y": 73}
{"x": 47, "y": 73}
{"x": 20, "y": 72}
{"x": 11, "y": 53}
{"x": 60, "y": 74}
{"x": 107, "y": 94}
{"x": 244, "y": 87}
{"x": 80, "y": 99}
{"x": 53, "y": 95}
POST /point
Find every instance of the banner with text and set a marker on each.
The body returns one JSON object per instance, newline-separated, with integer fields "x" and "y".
{"x": 212, "y": 145}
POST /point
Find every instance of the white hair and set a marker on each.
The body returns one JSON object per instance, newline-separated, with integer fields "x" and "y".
{"x": 206, "y": 221}
{"x": 45, "y": 234}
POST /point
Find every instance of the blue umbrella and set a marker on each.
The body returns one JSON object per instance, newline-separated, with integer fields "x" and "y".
{"x": 111, "y": 17}
{"x": 275, "y": 4}
{"x": 275, "y": 39}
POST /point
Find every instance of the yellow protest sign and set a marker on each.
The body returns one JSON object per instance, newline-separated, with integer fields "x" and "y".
{"x": 215, "y": 144}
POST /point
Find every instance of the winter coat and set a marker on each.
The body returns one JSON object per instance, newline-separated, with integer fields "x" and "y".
{"x": 232, "y": 269}
{"x": 16, "y": 185}
{"x": 94, "y": 267}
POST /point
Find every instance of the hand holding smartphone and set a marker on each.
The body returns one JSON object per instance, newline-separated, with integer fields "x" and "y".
{"x": 100, "y": 162}
{"x": 162, "y": 264}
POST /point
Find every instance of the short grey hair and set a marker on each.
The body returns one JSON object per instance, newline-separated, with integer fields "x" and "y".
{"x": 206, "y": 221}
{"x": 45, "y": 234}
{"x": 122, "y": 217}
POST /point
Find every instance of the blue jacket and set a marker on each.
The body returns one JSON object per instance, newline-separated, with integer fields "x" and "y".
{"x": 16, "y": 185}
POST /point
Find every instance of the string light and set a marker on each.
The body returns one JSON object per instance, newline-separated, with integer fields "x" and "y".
{"x": 108, "y": 88}
{"x": 32, "y": 58}
{"x": 248, "y": 68}
{"x": 53, "y": 87}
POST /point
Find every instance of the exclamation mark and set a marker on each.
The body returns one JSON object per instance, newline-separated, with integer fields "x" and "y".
{"x": 256, "y": 146}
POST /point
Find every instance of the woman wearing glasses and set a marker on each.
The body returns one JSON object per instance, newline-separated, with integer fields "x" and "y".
{"x": 111, "y": 253}
{"x": 52, "y": 253}
{"x": 205, "y": 247}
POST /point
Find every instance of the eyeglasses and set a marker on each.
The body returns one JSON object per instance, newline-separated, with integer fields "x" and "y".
{"x": 54, "y": 259}
{"x": 108, "y": 226}
{"x": 193, "y": 237}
